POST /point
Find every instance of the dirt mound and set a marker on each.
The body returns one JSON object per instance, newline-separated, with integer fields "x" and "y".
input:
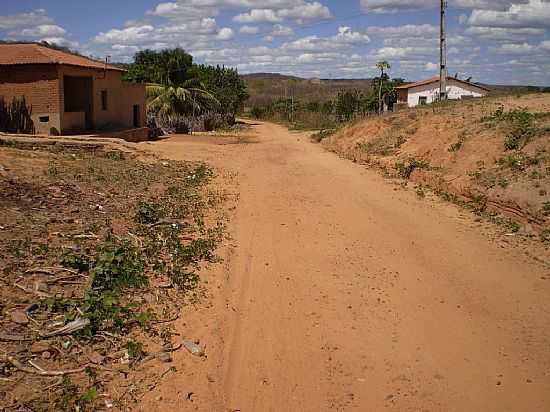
{"x": 491, "y": 155}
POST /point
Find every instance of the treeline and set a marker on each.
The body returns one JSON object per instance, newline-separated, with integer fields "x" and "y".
{"x": 344, "y": 107}
{"x": 183, "y": 96}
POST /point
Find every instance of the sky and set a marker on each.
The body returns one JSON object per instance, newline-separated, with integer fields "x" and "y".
{"x": 492, "y": 41}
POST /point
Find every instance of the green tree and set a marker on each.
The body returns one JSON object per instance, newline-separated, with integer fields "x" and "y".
{"x": 161, "y": 67}
{"x": 347, "y": 104}
{"x": 225, "y": 84}
{"x": 188, "y": 97}
{"x": 381, "y": 65}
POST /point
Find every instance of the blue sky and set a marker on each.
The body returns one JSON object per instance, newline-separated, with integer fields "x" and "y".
{"x": 492, "y": 41}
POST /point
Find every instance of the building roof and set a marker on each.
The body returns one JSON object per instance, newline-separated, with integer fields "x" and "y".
{"x": 30, "y": 53}
{"x": 436, "y": 80}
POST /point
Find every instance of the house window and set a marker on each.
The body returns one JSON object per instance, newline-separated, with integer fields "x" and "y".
{"x": 104, "y": 100}
{"x": 422, "y": 100}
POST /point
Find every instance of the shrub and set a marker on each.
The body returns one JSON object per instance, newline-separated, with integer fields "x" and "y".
{"x": 405, "y": 170}
{"x": 16, "y": 117}
{"x": 118, "y": 266}
{"x": 522, "y": 126}
{"x": 322, "y": 134}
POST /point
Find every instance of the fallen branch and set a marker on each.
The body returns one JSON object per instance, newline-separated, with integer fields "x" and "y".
{"x": 33, "y": 292}
{"x": 14, "y": 338}
{"x": 163, "y": 222}
{"x": 51, "y": 270}
{"x": 161, "y": 355}
{"x": 86, "y": 236}
{"x": 42, "y": 372}
{"x": 64, "y": 278}
{"x": 157, "y": 321}
{"x": 69, "y": 328}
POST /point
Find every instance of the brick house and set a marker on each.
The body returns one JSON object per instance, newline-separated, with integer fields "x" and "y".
{"x": 69, "y": 93}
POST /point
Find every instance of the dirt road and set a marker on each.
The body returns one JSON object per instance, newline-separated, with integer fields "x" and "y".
{"x": 346, "y": 293}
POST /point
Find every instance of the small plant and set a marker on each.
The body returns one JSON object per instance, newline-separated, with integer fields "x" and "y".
{"x": 52, "y": 169}
{"x": 117, "y": 267}
{"x": 76, "y": 259}
{"x": 545, "y": 236}
{"x": 405, "y": 170}
{"x": 455, "y": 147}
{"x": 522, "y": 126}
{"x": 147, "y": 213}
{"x": 546, "y": 209}
{"x": 114, "y": 155}
{"x": 322, "y": 134}
{"x": 135, "y": 350}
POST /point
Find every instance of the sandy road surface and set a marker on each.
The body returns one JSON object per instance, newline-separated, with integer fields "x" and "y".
{"x": 350, "y": 295}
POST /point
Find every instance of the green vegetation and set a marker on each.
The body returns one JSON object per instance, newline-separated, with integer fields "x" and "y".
{"x": 455, "y": 147}
{"x": 16, "y": 117}
{"x": 323, "y": 134}
{"x": 405, "y": 170}
{"x": 179, "y": 91}
{"x": 520, "y": 124}
{"x": 126, "y": 242}
{"x": 330, "y": 111}
{"x": 490, "y": 180}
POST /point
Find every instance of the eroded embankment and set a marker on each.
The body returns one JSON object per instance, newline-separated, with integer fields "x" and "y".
{"x": 490, "y": 155}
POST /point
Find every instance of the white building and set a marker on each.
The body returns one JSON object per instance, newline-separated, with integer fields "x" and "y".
{"x": 427, "y": 91}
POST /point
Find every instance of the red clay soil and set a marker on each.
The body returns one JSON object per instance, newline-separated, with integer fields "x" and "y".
{"x": 464, "y": 154}
{"x": 340, "y": 291}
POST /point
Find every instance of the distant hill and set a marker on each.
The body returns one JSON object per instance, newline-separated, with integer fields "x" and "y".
{"x": 265, "y": 88}
{"x": 268, "y": 76}
{"x": 268, "y": 87}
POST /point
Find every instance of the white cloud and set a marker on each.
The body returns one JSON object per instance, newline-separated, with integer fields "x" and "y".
{"x": 500, "y": 33}
{"x": 345, "y": 38}
{"x": 300, "y": 12}
{"x": 394, "y": 6}
{"x": 536, "y": 13}
{"x": 36, "y": 26}
{"x": 259, "y": 50}
{"x": 430, "y": 67}
{"x": 225, "y": 34}
{"x": 61, "y": 41}
{"x": 47, "y": 30}
{"x": 407, "y": 30}
{"x": 258, "y": 16}
{"x": 249, "y": 29}
{"x": 33, "y": 18}
{"x": 348, "y": 36}
{"x": 281, "y": 31}
{"x": 306, "y": 12}
{"x": 514, "y": 48}
{"x": 399, "y": 53}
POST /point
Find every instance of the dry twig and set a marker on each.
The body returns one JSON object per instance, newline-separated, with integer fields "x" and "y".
{"x": 42, "y": 372}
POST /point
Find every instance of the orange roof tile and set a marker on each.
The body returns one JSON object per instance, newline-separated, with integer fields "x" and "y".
{"x": 18, "y": 53}
{"x": 436, "y": 79}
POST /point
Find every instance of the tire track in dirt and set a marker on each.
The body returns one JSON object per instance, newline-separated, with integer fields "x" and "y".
{"x": 351, "y": 295}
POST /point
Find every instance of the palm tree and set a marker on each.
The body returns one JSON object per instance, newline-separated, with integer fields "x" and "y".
{"x": 381, "y": 65}
{"x": 188, "y": 97}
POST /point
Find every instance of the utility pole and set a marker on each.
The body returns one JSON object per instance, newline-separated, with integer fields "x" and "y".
{"x": 443, "y": 55}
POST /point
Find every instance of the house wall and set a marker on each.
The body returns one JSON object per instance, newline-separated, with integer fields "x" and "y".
{"x": 402, "y": 95}
{"x": 121, "y": 97}
{"x": 39, "y": 85}
{"x": 455, "y": 91}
